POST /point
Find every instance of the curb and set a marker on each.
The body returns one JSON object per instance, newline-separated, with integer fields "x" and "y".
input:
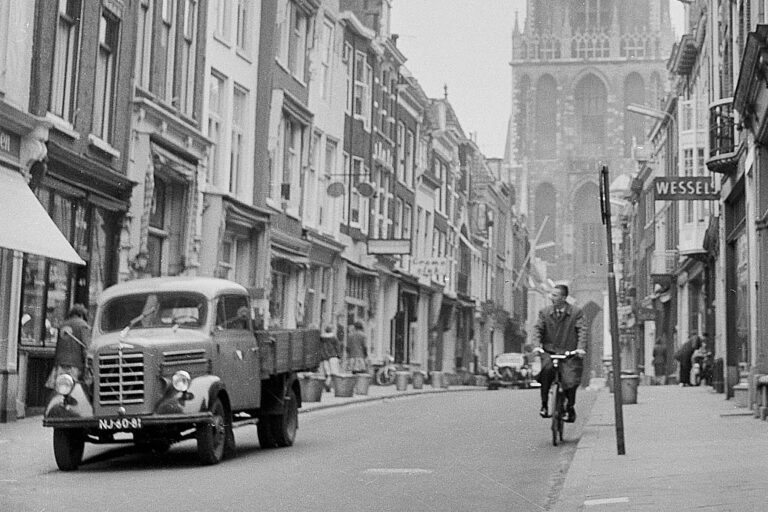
{"x": 400, "y": 394}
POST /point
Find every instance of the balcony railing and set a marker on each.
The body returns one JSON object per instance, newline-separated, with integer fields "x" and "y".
{"x": 664, "y": 262}
{"x": 722, "y": 137}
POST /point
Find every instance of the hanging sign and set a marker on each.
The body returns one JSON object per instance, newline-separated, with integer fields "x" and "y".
{"x": 684, "y": 188}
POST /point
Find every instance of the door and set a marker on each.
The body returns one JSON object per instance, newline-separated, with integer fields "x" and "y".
{"x": 237, "y": 349}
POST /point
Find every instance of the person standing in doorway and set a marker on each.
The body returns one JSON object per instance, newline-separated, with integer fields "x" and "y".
{"x": 357, "y": 349}
{"x": 660, "y": 361}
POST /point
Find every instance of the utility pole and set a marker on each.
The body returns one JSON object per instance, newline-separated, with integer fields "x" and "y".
{"x": 605, "y": 210}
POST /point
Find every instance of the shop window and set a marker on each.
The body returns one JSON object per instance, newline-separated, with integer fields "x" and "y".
{"x": 167, "y": 225}
{"x": 278, "y": 298}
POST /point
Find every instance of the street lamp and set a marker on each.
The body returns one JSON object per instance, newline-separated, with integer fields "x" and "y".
{"x": 652, "y": 112}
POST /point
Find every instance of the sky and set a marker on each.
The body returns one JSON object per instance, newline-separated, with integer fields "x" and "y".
{"x": 466, "y": 45}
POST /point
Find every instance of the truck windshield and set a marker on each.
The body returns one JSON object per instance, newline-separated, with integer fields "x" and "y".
{"x": 148, "y": 310}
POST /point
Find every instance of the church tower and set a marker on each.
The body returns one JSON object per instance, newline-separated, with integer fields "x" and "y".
{"x": 576, "y": 65}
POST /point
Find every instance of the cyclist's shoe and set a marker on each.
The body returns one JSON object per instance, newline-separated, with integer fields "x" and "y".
{"x": 544, "y": 412}
{"x": 570, "y": 415}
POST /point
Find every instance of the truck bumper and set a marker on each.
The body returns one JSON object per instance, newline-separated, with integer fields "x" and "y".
{"x": 146, "y": 421}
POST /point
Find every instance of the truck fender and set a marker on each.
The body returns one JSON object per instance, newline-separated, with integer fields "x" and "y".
{"x": 273, "y": 393}
{"x": 76, "y": 405}
{"x": 198, "y": 397}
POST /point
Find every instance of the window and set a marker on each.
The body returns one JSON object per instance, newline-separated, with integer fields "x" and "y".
{"x": 234, "y": 259}
{"x": 144, "y": 44}
{"x": 104, "y": 92}
{"x": 591, "y": 106}
{"x": 400, "y": 164}
{"x": 221, "y": 18}
{"x": 291, "y": 28}
{"x": 361, "y": 104}
{"x": 278, "y": 295}
{"x": 398, "y": 224}
{"x": 232, "y": 312}
{"x": 239, "y": 105}
{"x": 65, "y": 57}
{"x": 167, "y": 226}
{"x": 326, "y": 54}
{"x": 184, "y": 81}
{"x": 242, "y": 39}
{"x": 216, "y": 99}
{"x": 288, "y": 154}
{"x": 409, "y": 146}
{"x": 407, "y": 221}
{"x": 347, "y": 59}
{"x": 355, "y": 216}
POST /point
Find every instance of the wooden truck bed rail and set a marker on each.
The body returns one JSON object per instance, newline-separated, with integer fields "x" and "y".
{"x": 292, "y": 350}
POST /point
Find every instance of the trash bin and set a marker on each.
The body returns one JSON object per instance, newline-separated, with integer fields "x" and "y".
{"x": 362, "y": 383}
{"x": 401, "y": 380}
{"x": 312, "y": 387}
{"x": 344, "y": 384}
{"x": 629, "y": 382}
{"x": 436, "y": 379}
{"x": 417, "y": 379}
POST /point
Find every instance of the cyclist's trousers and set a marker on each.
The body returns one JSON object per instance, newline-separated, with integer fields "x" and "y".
{"x": 546, "y": 377}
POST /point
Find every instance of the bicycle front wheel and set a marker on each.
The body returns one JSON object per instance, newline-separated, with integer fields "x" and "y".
{"x": 557, "y": 418}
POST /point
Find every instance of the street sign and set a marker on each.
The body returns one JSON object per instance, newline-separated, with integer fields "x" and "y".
{"x": 684, "y": 188}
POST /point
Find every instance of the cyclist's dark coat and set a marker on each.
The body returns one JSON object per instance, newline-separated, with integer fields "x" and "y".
{"x": 560, "y": 335}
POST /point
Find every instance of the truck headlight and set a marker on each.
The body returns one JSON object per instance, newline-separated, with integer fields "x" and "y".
{"x": 64, "y": 384}
{"x": 181, "y": 380}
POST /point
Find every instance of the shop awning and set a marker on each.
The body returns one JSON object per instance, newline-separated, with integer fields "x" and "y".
{"x": 359, "y": 270}
{"x": 294, "y": 258}
{"x": 25, "y": 225}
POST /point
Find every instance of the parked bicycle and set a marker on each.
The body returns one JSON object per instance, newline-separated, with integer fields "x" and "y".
{"x": 557, "y": 398}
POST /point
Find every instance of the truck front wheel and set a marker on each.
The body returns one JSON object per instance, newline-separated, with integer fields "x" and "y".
{"x": 68, "y": 445}
{"x": 280, "y": 430}
{"x": 212, "y": 437}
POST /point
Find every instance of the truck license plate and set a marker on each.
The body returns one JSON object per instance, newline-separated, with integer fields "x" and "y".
{"x": 119, "y": 424}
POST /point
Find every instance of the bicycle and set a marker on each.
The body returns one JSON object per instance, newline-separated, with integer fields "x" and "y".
{"x": 557, "y": 398}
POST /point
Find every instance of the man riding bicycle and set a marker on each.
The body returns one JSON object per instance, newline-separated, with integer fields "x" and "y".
{"x": 559, "y": 329}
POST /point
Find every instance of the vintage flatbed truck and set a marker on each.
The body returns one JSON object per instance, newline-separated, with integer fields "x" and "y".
{"x": 175, "y": 358}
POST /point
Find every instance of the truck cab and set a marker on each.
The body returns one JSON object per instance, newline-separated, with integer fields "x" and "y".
{"x": 174, "y": 358}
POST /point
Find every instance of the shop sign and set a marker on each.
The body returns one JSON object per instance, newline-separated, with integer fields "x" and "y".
{"x": 646, "y": 314}
{"x": 389, "y": 246}
{"x": 10, "y": 144}
{"x": 430, "y": 267}
{"x": 684, "y": 188}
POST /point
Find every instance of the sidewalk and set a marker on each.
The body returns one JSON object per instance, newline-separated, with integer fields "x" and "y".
{"x": 378, "y": 393}
{"x": 686, "y": 449}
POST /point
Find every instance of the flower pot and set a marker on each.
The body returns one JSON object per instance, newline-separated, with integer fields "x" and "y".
{"x": 401, "y": 380}
{"x": 362, "y": 383}
{"x": 436, "y": 379}
{"x": 417, "y": 379}
{"x": 311, "y": 387}
{"x": 344, "y": 384}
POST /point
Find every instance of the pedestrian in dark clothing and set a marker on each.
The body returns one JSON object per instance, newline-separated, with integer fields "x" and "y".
{"x": 683, "y": 356}
{"x": 559, "y": 329}
{"x": 357, "y": 349}
{"x": 660, "y": 361}
{"x": 73, "y": 341}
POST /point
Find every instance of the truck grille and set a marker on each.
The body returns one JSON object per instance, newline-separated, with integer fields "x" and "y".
{"x": 121, "y": 379}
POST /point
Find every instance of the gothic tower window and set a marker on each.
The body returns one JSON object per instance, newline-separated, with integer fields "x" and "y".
{"x": 523, "y": 100}
{"x": 592, "y": 16}
{"x": 634, "y": 126}
{"x": 591, "y": 106}
{"x": 588, "y": 230}
{"x": 546, "y": 117}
